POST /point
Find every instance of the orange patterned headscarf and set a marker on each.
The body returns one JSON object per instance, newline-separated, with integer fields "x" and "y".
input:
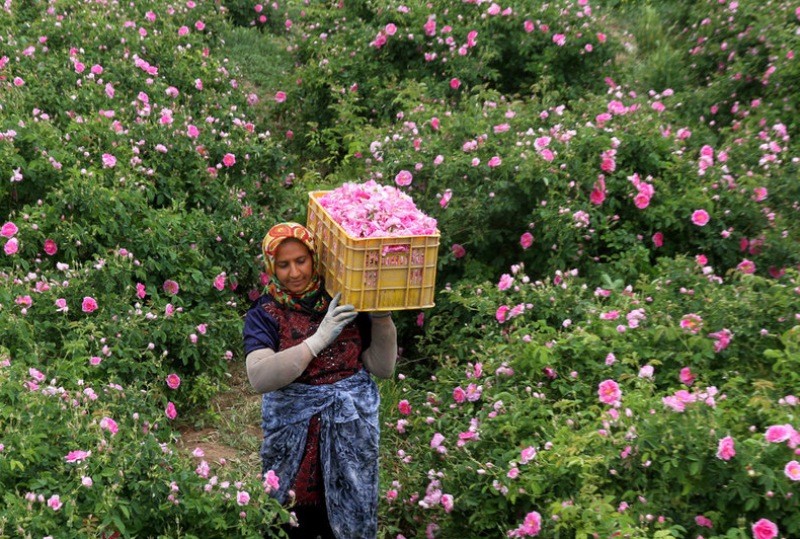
{"x": 310, "y": 298}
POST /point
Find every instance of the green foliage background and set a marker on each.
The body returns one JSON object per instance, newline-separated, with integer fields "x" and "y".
{"x": 676, "y": 78}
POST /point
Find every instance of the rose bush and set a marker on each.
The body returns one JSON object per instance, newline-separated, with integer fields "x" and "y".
{"x": 125, "y": 161}
{"x": 615, "y": 340}
{"x": 134, "y": 198}
{"x": 601, "y": 408}
{"x": 84, "y": 458}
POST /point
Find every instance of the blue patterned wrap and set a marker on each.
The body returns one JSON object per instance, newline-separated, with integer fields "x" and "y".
{"x": 349, "y": 440}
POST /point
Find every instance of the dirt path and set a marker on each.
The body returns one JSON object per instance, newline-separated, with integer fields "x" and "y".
{"x": 235, "y": 435}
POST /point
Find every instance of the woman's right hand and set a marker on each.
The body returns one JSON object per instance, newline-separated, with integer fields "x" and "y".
{"x": 337, "y": 317}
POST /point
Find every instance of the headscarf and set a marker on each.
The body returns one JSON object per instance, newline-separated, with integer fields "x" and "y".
{"x": 313, "y": 298}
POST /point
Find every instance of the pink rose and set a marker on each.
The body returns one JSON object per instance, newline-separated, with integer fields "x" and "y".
{"x": 526, "y": 240}
{"x": 447, "y": 502}
{"x": 171, "y": 412}
{"x": 271, "y": 481}
{"x": 597, "y": 196}
{"x": 173, "y": 381}
{"x": 746, "y": 266}
{"x": 792, "y": 470}
{"x": 403, "y": 178}
{"x": 8, "y": 230}
{"x": 459, "y": 395}
{"x": 703, "y": 521}
{"x": 691, "y": 323}
{"x": 54, "y": 502}
{"x": 445, "y": 200}
{"x": 77, "y": 456}
{"x": 532, "y": 523}
{"x": 280, "y": 97}
{"x": 171, "y": 287}
{"x": 50, "y": 247}
{"x": 109, "y": 424}
{"x": 437, "y": 440}
{"x": 700, "y": 217}
{"x": 641, "y": 201}
{"x": 505, "y": 282}
{"x": 89, "y": 304}
{"x": 658, "y": 239}
{"x": 602, "y": 118}
{"x": 458, "y": 250}
{"x": 455, "y": 83}
{"x": 778, "y": 433}
{"x": 527, "y": 455}
{"x": 726, "y": 449}
{"x": 501, "y": 313}
{"x": 11, "y": 247}
{"x": 430, "y": 27}
{"x": 764, "y": 529}
{"x": 109, "y": 161}
{"x": 242, "y": 497}
{"x": 219, "y": 281}
{"x": 404, "y": 407}
{"x": 229, "y": 160}
{"x": 609, "y": 392}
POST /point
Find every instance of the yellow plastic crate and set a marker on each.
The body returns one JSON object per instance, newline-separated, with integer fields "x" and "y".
{"x": 374, "y": 274}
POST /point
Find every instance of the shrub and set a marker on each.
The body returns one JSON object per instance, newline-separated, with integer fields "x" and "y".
{"x": 83, "y": 456}
{"x": 519, "y": 420}
{"x": 616, "y": 218}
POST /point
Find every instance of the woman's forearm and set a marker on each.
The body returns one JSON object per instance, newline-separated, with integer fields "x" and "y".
{"x": 381, "y": 356}
{"x": 268, "y": 370}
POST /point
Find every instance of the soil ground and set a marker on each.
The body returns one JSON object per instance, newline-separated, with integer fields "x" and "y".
{"x": 235, "y": 435}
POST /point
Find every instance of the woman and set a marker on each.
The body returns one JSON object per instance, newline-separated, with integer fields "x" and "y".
{"x": 310, "y": 357}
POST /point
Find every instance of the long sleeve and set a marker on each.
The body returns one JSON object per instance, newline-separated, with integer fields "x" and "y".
{"x": 268, "y": 370}
{"x": 381, "y": 356}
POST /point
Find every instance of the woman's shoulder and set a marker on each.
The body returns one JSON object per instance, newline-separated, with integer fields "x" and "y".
{"x": 261, "y": 301}
{"x": 259, "y": 308}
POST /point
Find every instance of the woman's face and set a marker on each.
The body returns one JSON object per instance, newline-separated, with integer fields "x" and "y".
{"x": 294, "y": 265}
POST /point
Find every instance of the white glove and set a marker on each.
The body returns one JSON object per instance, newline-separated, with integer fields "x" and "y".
{"x": 335, "y": 320}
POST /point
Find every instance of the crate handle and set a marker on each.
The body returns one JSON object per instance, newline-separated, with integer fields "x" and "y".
{"x": 398, "y": 248}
